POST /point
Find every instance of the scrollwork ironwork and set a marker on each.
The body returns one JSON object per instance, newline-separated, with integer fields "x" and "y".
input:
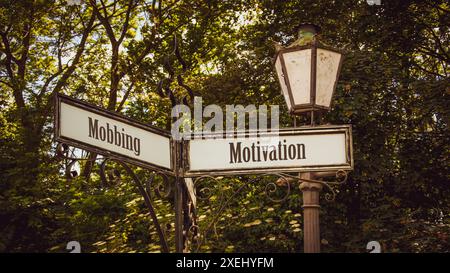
{"x": 112, "y": 177}
{"x": 272, "y": 190}
{"x": 273, "y": 187}
{"x": 276, "y": 191}
{"x": 165, "y": 83}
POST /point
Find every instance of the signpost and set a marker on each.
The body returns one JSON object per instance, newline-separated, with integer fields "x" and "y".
{"x": 88, "y": 127}
{"x": 315, "y": 148}
{"x": 308, "y": 150}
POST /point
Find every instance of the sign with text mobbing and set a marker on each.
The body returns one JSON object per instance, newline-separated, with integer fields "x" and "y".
{"x": 302, "y": 149}
{"x": 91, "y": 128}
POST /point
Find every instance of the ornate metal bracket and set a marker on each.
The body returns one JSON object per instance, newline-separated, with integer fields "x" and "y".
{"x": 112, "y": 176}
{"x": 277, "y": 191}
{"x": 341, "y": 177}
{"x": 165, "y": 83}
{"x": 186, "y": 220}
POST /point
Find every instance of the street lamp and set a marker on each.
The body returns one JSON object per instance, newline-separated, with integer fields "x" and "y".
{"x": 307, "y": 71}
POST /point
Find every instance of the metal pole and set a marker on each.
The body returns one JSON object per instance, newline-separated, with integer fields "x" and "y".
{"x": 311, "y": 208}
{"x": 179, "y": 215}
{"x": 179, "y": 242}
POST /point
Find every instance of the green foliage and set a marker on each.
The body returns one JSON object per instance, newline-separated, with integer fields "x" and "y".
{"x": 393, "y": 89}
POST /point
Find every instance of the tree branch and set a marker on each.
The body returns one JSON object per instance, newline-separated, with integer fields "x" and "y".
{"x": 80, "y": 50}
{"x": 125, "y": 25}
{"x": 26, "y": 47}
{"x": 427, "y": 71}
{"x": 18, "y": 96}
{"x": 105, "y": 23}
{"x": 125, "y": 97}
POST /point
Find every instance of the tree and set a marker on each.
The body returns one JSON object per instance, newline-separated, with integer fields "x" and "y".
{"x": 393, "y": 89}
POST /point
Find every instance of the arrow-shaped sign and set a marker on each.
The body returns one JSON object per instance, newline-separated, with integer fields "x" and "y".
{"x": 91, "y": 128}
{"x": 318, "y": 148}
{"x": 302, "y": 149}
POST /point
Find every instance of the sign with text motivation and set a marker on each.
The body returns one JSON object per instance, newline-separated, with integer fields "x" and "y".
{"x": 107, "y": 133}
{"x": 318, "y": 148}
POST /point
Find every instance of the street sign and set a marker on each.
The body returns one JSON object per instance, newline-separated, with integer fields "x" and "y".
{"x": 91, "y": 128}
{"x": 302, "y": 149}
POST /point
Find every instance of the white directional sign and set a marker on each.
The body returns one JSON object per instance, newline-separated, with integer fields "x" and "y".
{"x": 91, "y": 128}
{"x": 302, "y": 149}
{"x": 297, "y": 149}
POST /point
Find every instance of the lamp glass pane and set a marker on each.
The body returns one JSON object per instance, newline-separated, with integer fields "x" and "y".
{"x": 327, "y": 75}
{"x": 298, "y": 67}
{"x": 282, "y": 81}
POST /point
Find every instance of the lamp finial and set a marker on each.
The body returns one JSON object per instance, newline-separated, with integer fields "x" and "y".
{"x": 307, "y": 33}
